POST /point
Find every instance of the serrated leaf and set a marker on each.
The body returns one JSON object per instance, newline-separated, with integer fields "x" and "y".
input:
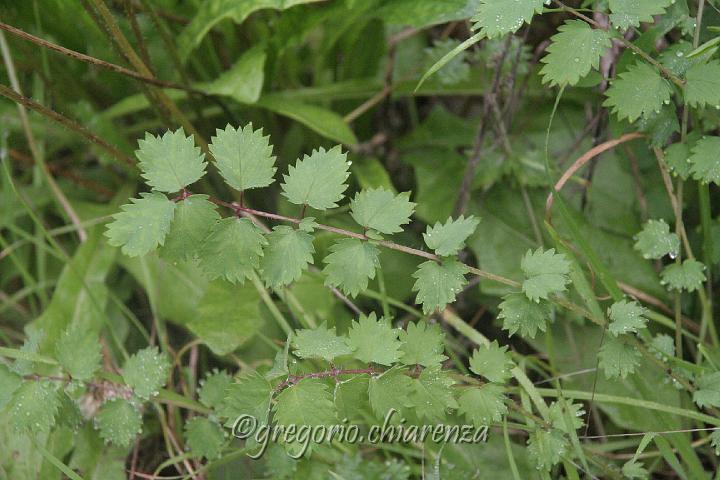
{"x": 320, "y": 342}
{"x": 119, "y": 422}
{"x": 633, "y": 469}
{"x": 708, "y": 390}
{"x": 422, "y": 344}
{"x": 492, "y": 362}
{"x": 702, "y": 85}
{"x": 546, "y": 447}
{"x": 142, "y": 225}
{"x": 212, "y": 389}
{"x": 204, "y": 437}
{"x": 687, "y": 275}
{"x": 637, "y": 91}
{"x": 78, "y": 351}
{"x": 250, "y": 395}
{"x": 9, "y": 383}
{"x": 381, "y": 210}
{"x": 546, "y": 273}
{"x": 69, "y": 414}
{"x": 244, "y": 157}
{"x": 617, "y": 359}
{"x": 498, "y": 17}
{"x": 483, "y": 405}
{"x": 318, "y": 180}
{"x": 171, "y": 162}
{"x": 574, "y": 51}
{"x": 34, "y": 406}
{"x": 373, "y": 340}
{"x": 432, "y": 395}
{"x": 438, "y": 284}
{"x": 448, "y": 239}
{"x": 566, "y": 416}
{"x": 627, "y": 317}
{"x": 391, "y": 390}
{"x": 232, "y": 250}
{"x": 677, "y": 158}
{"x": 280, "y": 364}
{"x": 194, "y": 218}
{"x": 309, "y": 402}
{"x": 655, "y": 240}
{"x": 663, "y": 346}
{"x": 350, "y": 265}
{"x": 629, "y": 13}
{"x": 705, "y": 161}
{"x": 287, "y": 254}
{"x": 146, "y": 372}
{"x": 520, "y": 314}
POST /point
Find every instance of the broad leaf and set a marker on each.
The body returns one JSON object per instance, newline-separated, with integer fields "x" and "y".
{"x": 142, "y": 225}
{"x": 546, "y": 273}
{"x": 705, "y": 161}
{"x": 627, "y": 317}
{"x": 171, "y": 162}
{"x": 244, "y": 157}
{"x": 498, "y": 17}
{"x": 250, "y": 395}
{"x": 146, "y": 372}
{"x": 373, "y": 340}
{"x": 307, "y": 403}
{"x": 320, "y": 342}
{"x": 483, "y": 405}
{"x": 617, "y": 359}
{"x": 520, "y": 314}
{"x": 119, "y": 422}
{"x": 204, "y": 437}
{"x": 381, "y": 210}
{"x": 688, "y": 275}
{"x": 318, "y": 180}
{"x": 390, "y": 390}
{"x": 350, "y": 265}
{"x": 492, "y": 362}
{"x": 243, "y": 81}
{"x": 78, "y": 351}
{"x": 432, "y": 395}
{"x": 212, "y": 389}
{"x": 656, "y": 241}
{"x": 574, "y": 51}
{"x": 703, "y": 84}
{"x": 708, "y": 390}
{"x": 232, "y": 250}
{"x": 438, "y": 284}
{"x": 288, "y": 253}
{"x": 638, "y": 91}
{"x": 194, "y": 218}
{"x": 546, "y": 447}
{"x": 449, "y": 238}
{"x": 422, "y": 344}
{"x": 34, "y": 406}
{"x": 629, "y": 13}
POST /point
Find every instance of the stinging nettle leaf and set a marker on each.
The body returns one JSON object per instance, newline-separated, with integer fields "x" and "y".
{"x": 705, "y": 161}
{"x": 146, "y": 372}
{"x": 243, "y": 157}
{"x": 656, "y": 241}
{"x": 320, "y": 342}
{"x": 438, "y": 284}
{"x": 703, "y": 84}
{"x": 142, "y": 225}
{"x": 194, "y": 218}
{"x": 422, "y": 344}
{"x": 638, "y": 91}
{"x": 287, "y": 254}
{"x": 492, "y": 362}
{"x": 629, "y": 13}
{"x": 350, "y": 265}
{"x": 374, "y": 340}
{"x": 171, "y": 162}
{"x": 688, "y": 275}
{"x": 574, "y": 51}
{"x": 318, "y": 180}
{"x": 449, "y": 238}
{"x": 381, "y": 209}
{"x": 232, "y": 250}
{"x": 546, "y": 273}
{"x": 627, "y": 317}
{"x": 119, "y": 422}
{"x": 519, "y": 313}
{"x": 498, "y": 17}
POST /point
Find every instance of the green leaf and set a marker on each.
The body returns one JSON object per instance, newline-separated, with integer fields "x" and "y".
{"x": 142, "y": 225}
{"x": 280, "y": 364}
{"x": 213, "y": 387}
{"x": 243, "y": 81}
{"x": 561, "y": 410}
{"x": 708, "y": 390}
{"x": 78, "y": 351}
{"x": 9, "y": 382}
{"x": 546, "y": 447}
{"x": 656, "y": 241}
{"x": 483, "y": 405}
{"x": 390, "y": 390}
{"x": 244, "y": 157}
{"x": 309, "y": 402}
{"x": 703, "y": 84}
{"x": 381, "y": 210}
{"x": 286, "y": 256}
{"x": 374, "y": 340}
{"x": 519, "y": 313}
{"x": 638, "y": 91}
{"x": 119, "y": 422}
{"x": 626, "y": 317}
{"x": 350, "y": 265}
{"x": 715, "y": 441}
{"x": 194, "y": 218}
{"x": 325, "y": 122}
{"x": 232, "y": 250}
{"x": 34, "y": 406}
{"x": 227, "y": 316}
{"x": 171, "y": 162}
{"x": 574, "y": 51}
{"x": 492, "y": 362}
{"x": 685, "y": 276}
{"x": 633, "y": 469}
{"x": 617, "y": 359}
{"x": 629, "y": 13}
{"x": 320, "y": 342}
{"x": 432, "y": 395}
{"x": 704, "y": 161}
{"x": 677, "y": 158}
{"x": 546, "y": 273}
{"x": 498, "y": 17}
{"x": 204, "y": 437}
{"x": 318, "y": 180}
{"x": 250, "y": 395}
{"x": 422, "y": 344}
{"x": 449, "y": 239}
{"x": 146, "y": 372}
{"x": 438, "y": 284}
